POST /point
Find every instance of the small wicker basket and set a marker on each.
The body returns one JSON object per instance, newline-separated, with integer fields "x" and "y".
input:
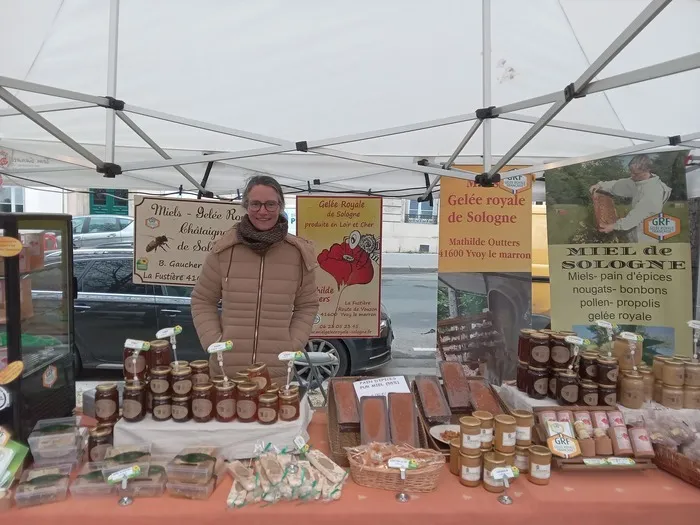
{"x": 677, "y": 464}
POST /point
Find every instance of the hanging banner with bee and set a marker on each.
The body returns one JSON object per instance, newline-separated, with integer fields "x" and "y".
{"x": 172, "y": 237}
{"x": 346, "y": 232}
{"x": 484, "y": 272}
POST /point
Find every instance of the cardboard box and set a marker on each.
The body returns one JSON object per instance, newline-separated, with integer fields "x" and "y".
{"x": 23, "y": 262}
{"x": 35, "y": 247}
{"x": 25, "y": 299}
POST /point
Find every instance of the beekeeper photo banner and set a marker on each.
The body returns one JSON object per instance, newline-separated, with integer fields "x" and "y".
{"x": 619, "y": 248}
{"x": 346, "y": 232}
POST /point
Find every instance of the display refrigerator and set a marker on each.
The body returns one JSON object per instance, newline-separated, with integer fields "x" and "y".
{"x": 37, "y": 292}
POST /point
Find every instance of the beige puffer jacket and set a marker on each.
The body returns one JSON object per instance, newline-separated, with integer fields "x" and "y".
{"x": 268, "y": 302}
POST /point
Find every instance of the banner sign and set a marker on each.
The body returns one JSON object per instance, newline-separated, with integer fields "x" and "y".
{"x": 347, "y": 234}
{"x": 485, "y": 266}
{"x": 619, "y": 249}
{"x": 172, "y": 237}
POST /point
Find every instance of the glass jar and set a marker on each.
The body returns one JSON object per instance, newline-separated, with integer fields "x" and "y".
{"x": 268, "y": 406}
{"x": 540, "y": 465}
{"x": 692, "y": 373}
{"x": 134, "y": 402}
{"x": 658, "y": 390}
{"x": 135, "y": 364}
{"x": 202, "y": 407}
{"x": 181, "y": 381}
{"x": 200, "y": 372}
{"x": 607, "y": 371}
{"x": 217, "y": 380}
{"x": 524, "y": 344}
{"x": 539, "y": 350}
{"x": 505, "y": 433}
{"x": 225, "y": 401}
{"x": 691, "y": 397}
{"x": 672, "y": 396}
{"x": 162, "y": 409}
{"x": 648, "y": 382}
{"x": 469, "y": 469}
{"x": 260, "y": 375}
{"x": 623, "y": 348}
{"x": 160, "y": 353}
{"x": 560, "y": 353}
{"x": 106, "y": 404}
{"x": 289, "y": 404}
{"x": 632, "y": 390}
{"x": 247, "y": 402}
{"x": 160, "y": 380}
{"x": 607, "y": 395}
{"x": 521, "y": 376}
{"x": 99, "y": 441}
{"x": 181, "y": 409}
{"x": 588, "y": 394}
{"x": 273, "y": 389}
{"x": 552, "y": 390}
{"x": 179, "y": 364}
{"x": 657, "y": 367}
{"x": 490, "y": 463}
{"x": 673, "y": 373}
{"x": 588, "y": 368}
{"x": 537, "y": 382}
{"x": 567, "y": 388}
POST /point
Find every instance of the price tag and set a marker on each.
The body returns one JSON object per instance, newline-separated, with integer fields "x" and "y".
{"x": 135, "y": 344}
{"x": 608, "y": 462}
{"x": 223, "y": 346}
{"x": 504, "y": 472}
{"x": 631, "y": 336}
{"x": 301, "y": 444}
{"x": 402, "y": 463}
{"x": 123, "y": 474}
{"x": 605, "y": 324}
{"x": 573, "y": 340}
{"x": 169, "y": 332}
{"x": 290, "y": 356}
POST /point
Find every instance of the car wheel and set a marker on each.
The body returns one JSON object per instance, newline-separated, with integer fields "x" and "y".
{"x": 331, "y": 347}
{"x": 77, "y": 364}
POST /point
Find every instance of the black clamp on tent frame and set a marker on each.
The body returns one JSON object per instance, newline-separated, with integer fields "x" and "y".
{"x": 487, "y": 181}
{"x": 115, "y": 104}
{"x": 109, "y": 170}
{"x": 570, "y": 93}
{"x": 302, "y": 146}
{"x": 674, "y": 141}
{"x": 428, "y": 198}
{"x": 204, "y": 193}
{"x": 484, "y": 113}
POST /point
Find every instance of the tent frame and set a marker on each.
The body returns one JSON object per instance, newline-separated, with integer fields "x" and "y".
{"x": 481, "y": 118}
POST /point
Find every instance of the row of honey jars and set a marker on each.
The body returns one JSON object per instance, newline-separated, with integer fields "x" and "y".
{"x": 137, "y": 363}
{"x": 477, "y": 467}
{"x": 545, "y": 348}
{"x": 564, "y": 386}
{"x": 677, "y": 371}
{"x": 676, "y": 397}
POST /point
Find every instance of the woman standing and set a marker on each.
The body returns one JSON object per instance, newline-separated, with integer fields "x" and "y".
{"x": 264, "y": 278}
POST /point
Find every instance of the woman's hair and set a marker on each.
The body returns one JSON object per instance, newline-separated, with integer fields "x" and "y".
{"x": 263, "y": 180}
{"x": 640, "y": 163}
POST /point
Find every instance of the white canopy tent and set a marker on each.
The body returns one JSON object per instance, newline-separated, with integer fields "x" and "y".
{"x": 291, "y": 73}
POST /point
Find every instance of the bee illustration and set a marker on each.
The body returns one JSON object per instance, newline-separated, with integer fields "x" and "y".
{"x": 158, "y": 242}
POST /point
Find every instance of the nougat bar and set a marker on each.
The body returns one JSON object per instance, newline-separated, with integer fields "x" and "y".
{"x": 456, "y": 385}
{"x": 402, "y": 419}
{"x": 347, "y": 411}
{"x": 374, "y": 420}
{"x": 435, "y": 406}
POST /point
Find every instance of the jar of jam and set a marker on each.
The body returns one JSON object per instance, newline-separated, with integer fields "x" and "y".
{"x": 607, "y": 371}
{"x": 99, "y": 441}
{"x": 672, "y": 396}
{"x": 134, "y": 402}
{"x": 588, "y": 367}
{"x": 181, "y": 381}
{"x": 181, "y": 409}
{"x": 225, "y": 401}
{"x": 537, "y": 382}
{"x": 217, "y": 380}
{"x": 588, "y": 394}
{"x": 247, "y": 402}
{"x": 552, "y": 390}
{"x": 567, "y": 388}
{"x": 607, "y": 395}
{"x": 524, "y": 344}
{"x": 241, "y": 375}
{"x": 160, "y": 380}
{"x": 106, "y": 404}
{"x": 521, "y": 377}
{"x": 162, "y": 409}
{"x": 539, "y": 350}
{"x": 135, "y": 360}
{"x": 202, "y": 406}
{"x": 268, "y": 406}
{"x": 289, "y": 404}
{"x": 691, "y": 397}
{"x": 160, "y": 353}
{"x": 200, "y": 372}
{"x": 260, "y": 375}
{"x": 179, "y": 364}
{"x": 632, "y": 390}
{"x": 560, "y": 353}
{"x": 273, "y": 389}
{"x": 673, "y": 373}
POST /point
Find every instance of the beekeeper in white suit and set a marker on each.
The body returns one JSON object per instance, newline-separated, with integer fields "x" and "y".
{"x": 648, "y": 194}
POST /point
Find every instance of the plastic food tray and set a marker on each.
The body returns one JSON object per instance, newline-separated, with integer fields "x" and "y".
{"x": 193, "y": 465}
{"x": 118, "y": 458}
{"x": 190, "y": 490}
{"x": 39, "y": 486}
{"x": 90, "y": 482}
{"x": 152, "y": 486}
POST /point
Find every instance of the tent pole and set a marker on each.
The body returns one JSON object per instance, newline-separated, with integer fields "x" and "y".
{"x": 49, "y": 108}
{"x": 23, "y": 85}
{"x": 631, "y": 31}
{"x": 205, "y": 179}
{"x": 112, "y": 55}
{"x": 486, "y": 77}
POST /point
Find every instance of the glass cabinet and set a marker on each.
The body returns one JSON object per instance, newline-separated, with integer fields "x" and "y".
{"x": 36, "y": 319}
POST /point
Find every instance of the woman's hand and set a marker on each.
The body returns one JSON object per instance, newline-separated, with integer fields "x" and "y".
{"x": 606, "y": 228}
{"x": 594, "y": 188}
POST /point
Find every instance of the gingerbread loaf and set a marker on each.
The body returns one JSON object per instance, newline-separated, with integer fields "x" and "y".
{"x": 435, "y": 407}
{"x": 456, "y": 386}
{"x": 346, "y": 409}
{"x": 403, "y": 419}
{"x": 374, "y": 420}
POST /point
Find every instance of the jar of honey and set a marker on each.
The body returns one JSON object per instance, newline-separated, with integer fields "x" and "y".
{"x": 607, "y": 395}
{"x": 648, "y": 383}
{"x": 135, "y": 360}
{"x": 272, "y": 389}
{"x": 260, "y": 375}
{"x": 672, "y": 396}
{"x": 524, "y": 344}
{"x": 505, "y": 433}
{"x": 692, "y": 373}
{"x": 200, "y": 372}
{"x": 179, "y": 364}
{"x": 657, "y": 367}
{"x": 524, "y": 421}
{"x": 99, "y": 442}
{"x": 486, "y": 428}
{"x": 560, "y": 354}
{"x": 588, "y": 367}
{"x": 567, "y": 388}
{"x": 658, "y": 390}
{"x": 289, "y": 404}
{"x": 522, "y": 458}
{"x": 539, "y": 350}
{"x": 160, "y": 353}
{"x": 268, "y": 407}
{"x": 553, "y": 375}
{"x": 162, "y": 409}
{"x": 134, "y": 402}
{"x": 491, "y": 462}
{"x": 181, "y": 409}
{"x": 106, "y": 404}
{"x": 181, "y": 381}
{"x": 588, "y": 394}
{"x": 540, "y": 465}
{"x": 628, "y": 353}
{"x": 202, "y": 407}
{"x": 674, "y": 372}
{"x": 537, "y": 382}
{"x": 225, "y": 401}
{"x": 470, "y": 469}
{"x": 160, "y": 380}
{"x": 607, "y": 371}
{"x": 247, "y": 402}
{"x": 521, "y": 376}
{"x": 691, "y": 397}
{"x": 632, "y": 390}
{"x": 470, "y": 433}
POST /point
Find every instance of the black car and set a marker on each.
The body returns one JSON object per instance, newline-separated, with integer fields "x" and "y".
{"x": 111, "y": 308}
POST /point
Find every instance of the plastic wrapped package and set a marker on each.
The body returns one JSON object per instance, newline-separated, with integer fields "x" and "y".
{"x": 39, "y": 486}
{"x": 90, "y": 482}
{"x": 237, "y": 497}
{"x": 118, "y": 458}
{"x": 193, "y": 465}
{"x": 191, "y": 490}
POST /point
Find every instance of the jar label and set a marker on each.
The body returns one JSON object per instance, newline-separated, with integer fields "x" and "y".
{"x": 226, "y": 409}
{"x": 98, "y": 452}
{"x": 201, "y": 408}
{"x": 640, "y": 438}
{"x": 200, "y": 379}
{"x": 261, "y": 381}
{"x": 180, "y": 412}
{"x": 553, "y": 387}
{"x": 522, "y": 463}
{"x": 632, "y": 398}
{"x": 570, "y": 393}
{"x": 591, "y": 399}
{"x": 561, "y": 354}
{"x": 159, "y": 386}
{"x": 131, "y": 409}
{"x": 135, "y": 366}
{"x": 490, "y": 480}
{"x": 523, "y": 433}
{"x": 672, "y": 400}
{"x": 539, "y": 471}
{"x": 508, "y": 439}
{"x": 471, "y": 441}
{"x": 182, "y": 387}
{"x": 288, "y": 412}
{"x": 267, "y": 415}
{"x": 540, "y": 354}
{"x": 471, "y": 473}
{"x": 486, "y": 435}
{"x": 162, "y": 411}
{"x": 612, "y": 375}
{"x": 592, "y": 371}
{"x": 541, "y": 386}
{"x": 610, "y": 399}
{"x": 105, "y": 409}
{"x": 246, "y": 408}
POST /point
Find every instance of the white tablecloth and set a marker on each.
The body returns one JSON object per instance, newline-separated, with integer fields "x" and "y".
{"x": 518, "y": 400}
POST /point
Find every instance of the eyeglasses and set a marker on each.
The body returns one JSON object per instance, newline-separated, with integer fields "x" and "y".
{"x": 269, "y": 205}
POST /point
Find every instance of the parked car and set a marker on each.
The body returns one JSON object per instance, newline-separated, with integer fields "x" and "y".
{"x": 90, "y": 231}
{"x": 111, "y": 308}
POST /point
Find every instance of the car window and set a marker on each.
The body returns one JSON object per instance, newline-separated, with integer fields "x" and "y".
{"x": 112, "y": 276}
{"x": 78, "y": 223}
{"x": 50, "y": 279}
{"x": 102, "y": 225}
{"x": 178, "y": 291}
{"x": 123, "y": 223}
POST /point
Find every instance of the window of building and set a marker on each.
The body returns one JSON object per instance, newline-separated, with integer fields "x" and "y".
{"x": 421, "y": 212}
{"x": 11, "y": 199}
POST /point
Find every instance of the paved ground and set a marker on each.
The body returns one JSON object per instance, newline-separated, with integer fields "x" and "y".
{"x": 401, "y": 263}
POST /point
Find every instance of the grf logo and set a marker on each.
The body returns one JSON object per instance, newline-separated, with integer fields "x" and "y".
{"x": 662, "y": 226}
{"x": 515, "y": 184}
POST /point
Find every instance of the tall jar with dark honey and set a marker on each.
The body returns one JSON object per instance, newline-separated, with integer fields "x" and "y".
{"x": 160, "y": 353}
{"x": 159, "y": 383}
{"x": 202, "y": 406}
{"x": 247, "y": 402}
{"x": 588, "y": 394}
{"x": 567, "y": 388}
{"x": 560, "y": 353}
{"x": 181, "y": 408}
{"x": 106, "y": 404}
{"x": 607, "y": 371}
{"x": 537, "y": 382}
{"x": 200, "y": 372}
{"x": 136, "y": 360}
{"x": 588, "y": 367}
{"x": 134, "y": 403}
{"x": 521, "y": 376}
{"x": 289, "y": 404}
{"x": 539, "y": 350}
{"x": 260, "y": 375}
{"x": 181, "y": 381}
{"x": 268, "y": 408}
{"x": 553, "y": 374}
{"x": 524, "y": 344}
{"x": 225, "y": 401}
{"x": 162, "y": 408}
{"x": 99, "y": 442}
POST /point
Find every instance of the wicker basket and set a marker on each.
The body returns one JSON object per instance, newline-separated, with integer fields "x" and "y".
{"x": 677, "y": 464}
{"x": 423, "y": 479}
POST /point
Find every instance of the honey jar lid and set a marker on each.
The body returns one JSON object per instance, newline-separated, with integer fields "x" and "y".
{"x": 159, "y": 343}
{"x": 241, "y": 375}
{"x": 240, "y": 380}
{"x": 527, "y": 331}
{"x": 522, "y": 413}
{"x": 566, "y": 372}
{"x": 163, "y": 397}
{"x": 203, "y": 387}
{"x": 182, "y": 371}
{"x": 632, "y": 374}
{"x": 537, "y": 368}
{"x": 673, "y": 387}
{"x": 178, "y": 364}
{"x": 539, "y": 450}
{"x": 257, "y": 367}
{"x": 106, "y": 387}
{"x": 247, "y": 387}
{"x": 217, "y": 379}
{"x": 469, "y": 421}
{"x": 288, "y": 395}
{"x": 588, "y": 383}
{"x": 673, "y": 362}
{"x": 268, "y": 398}
{"x": 482, "y": 415}
{"x": 692, "y": 364}
{"x": 98, "y": 432}
{"x": 607, "y": 360}
{"x": 160, "y": 370}
{"x": 559, "y": 336}
{"x": 226, "y": 386}
{"x": 505, "y": 419}
{"x": 201, "y": 363}
{"x": 539, "y": 335}
{"x": 180, "y": 399}
{"x": 134, "y": 385}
